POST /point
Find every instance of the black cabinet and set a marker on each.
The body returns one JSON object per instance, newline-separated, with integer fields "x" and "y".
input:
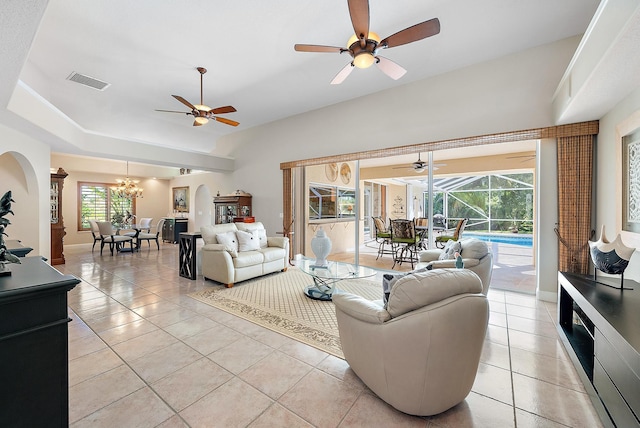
{"x": 172, "y": 229}
{"x": 600, "y": 328}
{"x": 34, "y": 361}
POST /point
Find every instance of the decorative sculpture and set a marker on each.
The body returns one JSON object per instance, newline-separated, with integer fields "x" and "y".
{"x": 610, "y": 257}
{"x": 5, "y": 256}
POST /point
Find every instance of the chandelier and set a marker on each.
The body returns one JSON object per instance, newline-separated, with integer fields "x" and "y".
{"x": 128, "y": 188}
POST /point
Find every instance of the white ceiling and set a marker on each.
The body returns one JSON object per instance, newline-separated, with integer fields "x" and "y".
{"x": 148, "y": 50}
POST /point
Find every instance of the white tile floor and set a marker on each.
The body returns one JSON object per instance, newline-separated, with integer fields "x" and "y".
{"x": 143, "y": 353}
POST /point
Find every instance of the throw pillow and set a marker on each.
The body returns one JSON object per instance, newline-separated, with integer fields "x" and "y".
{"x": 450, "y": 249}
{"x": 247, "y": 241}
{"x": 261, "y": 235}
{"x": 230, "y": 242}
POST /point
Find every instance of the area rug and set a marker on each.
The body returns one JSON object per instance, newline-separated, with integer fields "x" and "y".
{"x": 277, "y": 302}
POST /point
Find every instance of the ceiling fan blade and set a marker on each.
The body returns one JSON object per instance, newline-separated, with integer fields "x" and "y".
{"x": 183, "y": 101}
{"x": 342, "y": 74}
{"x": 390, "y": 68}
{"x": 222, "y": 110}
{"x": 174, "y": 111}
{"x": 417, "y": 32}
{"x": 317, "y": 48}
{"x": 359, "y": 11}
{"x": 226, "y": 121}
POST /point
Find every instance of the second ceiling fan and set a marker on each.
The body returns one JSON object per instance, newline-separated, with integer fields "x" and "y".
{"x": 364, "y": 45}
{"x": 419, "y": 166}
{"x": 202, "y": 112}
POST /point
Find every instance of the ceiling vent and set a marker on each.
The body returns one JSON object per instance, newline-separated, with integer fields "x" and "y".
{"x": 88, "y": 81}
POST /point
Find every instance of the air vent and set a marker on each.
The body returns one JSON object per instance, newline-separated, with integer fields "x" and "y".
{"x": 88, "y": 81}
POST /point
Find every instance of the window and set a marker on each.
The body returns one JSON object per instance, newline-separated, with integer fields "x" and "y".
{"x": 96, "y": 201}
{"x": 331, "y": 202}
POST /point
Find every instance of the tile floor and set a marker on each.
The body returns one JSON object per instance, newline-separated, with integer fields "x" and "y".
{"x": 142, "y": 353}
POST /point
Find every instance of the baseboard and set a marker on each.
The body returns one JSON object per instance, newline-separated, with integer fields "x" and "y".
{"x": 547, "y": 296}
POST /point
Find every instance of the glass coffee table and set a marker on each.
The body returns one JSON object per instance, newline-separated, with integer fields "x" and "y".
{"x": 326, "y": 277}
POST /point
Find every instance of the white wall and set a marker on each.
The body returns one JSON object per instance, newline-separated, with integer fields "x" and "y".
{"x": 623, "y": 117}
{"x": 510, "y": 93}
{"x": 24, "y": 169}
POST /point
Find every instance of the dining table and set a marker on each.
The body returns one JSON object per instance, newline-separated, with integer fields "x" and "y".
{"x": 136, "y": 228}
{"x": 423, "y": 234}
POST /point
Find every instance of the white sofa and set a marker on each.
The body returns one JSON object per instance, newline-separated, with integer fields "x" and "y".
{"x": 421, "y": 352}
{"x": 475, "y": 254}
{"x": 223, "y": 262}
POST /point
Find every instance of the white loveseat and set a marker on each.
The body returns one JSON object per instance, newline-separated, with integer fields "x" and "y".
{"x": 229, "y": 262}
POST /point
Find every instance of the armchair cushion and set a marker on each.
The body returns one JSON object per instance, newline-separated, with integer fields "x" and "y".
{"x": 360, "y": 308}
{"x": 424, "y": 288}
{"x": 473, "y": 248}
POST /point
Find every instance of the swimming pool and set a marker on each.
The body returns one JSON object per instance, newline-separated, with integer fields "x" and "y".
{"x": 523, "y": 240}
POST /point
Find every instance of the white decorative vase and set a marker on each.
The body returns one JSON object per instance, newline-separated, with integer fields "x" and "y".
{"x": 321, "y": 247}
{"x": 610, "y": 257}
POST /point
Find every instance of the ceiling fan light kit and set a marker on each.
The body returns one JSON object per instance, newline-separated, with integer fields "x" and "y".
{"x": 202, "y": 113}
{"x": 364, "y": 45}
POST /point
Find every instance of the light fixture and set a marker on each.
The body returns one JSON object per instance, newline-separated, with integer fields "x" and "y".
{"x": 127, "y": 188}
{"x": 201, "y": 120}
{"x": 363, "y": 58}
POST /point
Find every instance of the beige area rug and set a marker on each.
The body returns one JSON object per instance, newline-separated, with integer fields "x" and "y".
{"x": 277, "y": 302}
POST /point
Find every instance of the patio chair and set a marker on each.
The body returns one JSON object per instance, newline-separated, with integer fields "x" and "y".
{"x": 406, "y": 242}
{"x": 457, "y": 233}
{"x": 383, "y": 237}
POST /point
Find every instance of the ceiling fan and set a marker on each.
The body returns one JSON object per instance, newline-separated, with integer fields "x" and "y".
{"x": 419, "y": 166}
{"x": 364, "y": 45}
{"x": 525, "y": 158}
{"x": 202, "y": 112}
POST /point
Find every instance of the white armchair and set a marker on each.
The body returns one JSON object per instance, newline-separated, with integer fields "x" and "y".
{"x": 476, "y": 257}
{"x": 421, "y": 353}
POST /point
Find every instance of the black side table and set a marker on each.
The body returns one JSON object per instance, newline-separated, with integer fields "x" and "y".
{"x": 187, "y": 258}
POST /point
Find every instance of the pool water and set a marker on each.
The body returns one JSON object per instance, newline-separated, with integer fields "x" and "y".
{"x": 523, "y": 240}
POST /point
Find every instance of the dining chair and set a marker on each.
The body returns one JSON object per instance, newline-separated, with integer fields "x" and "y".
{"x": 148, "y": 236}
{"x": 110, "y": 237}
{"x": 144, "y": 225}
{"x": 383, "y": 237}
{"x": 95, "y": 231}
{"x": 457, "y": 233}
{"x": 407, "y": 242}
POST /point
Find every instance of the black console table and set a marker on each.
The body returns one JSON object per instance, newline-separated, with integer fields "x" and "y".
{"x": 34, "y": 361}
{"x": 600, "y": 328}
{"x": 188, "y": 254}
{"x": 16, "y": 248}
